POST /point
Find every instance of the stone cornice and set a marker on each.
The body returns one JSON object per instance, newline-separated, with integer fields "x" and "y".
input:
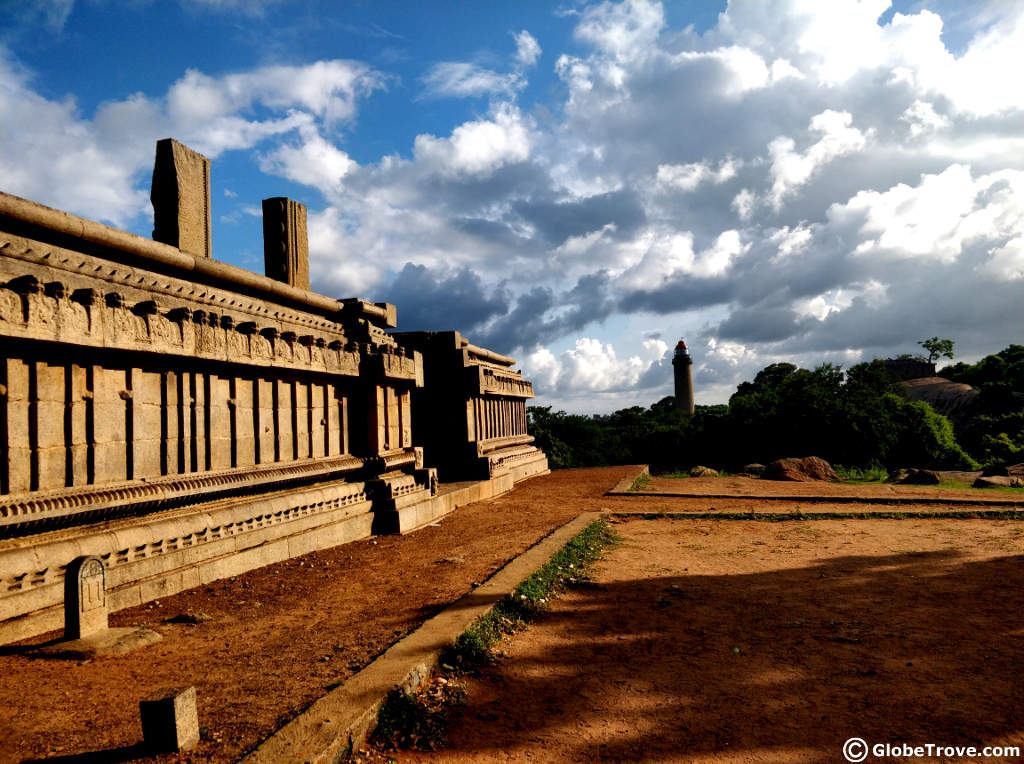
{"x": 53, "y": 294}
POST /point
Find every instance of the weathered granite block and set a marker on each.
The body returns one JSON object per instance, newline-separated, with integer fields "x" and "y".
{"x": 170, "y": 721}
{"x": 285, "y": 241}
{"x": 181, "y": 198}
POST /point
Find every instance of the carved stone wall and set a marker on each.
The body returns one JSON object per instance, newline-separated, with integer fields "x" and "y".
{"x": 115, "y": 374}
{"x": 470, "y": 415}
{"x": 184, "y": 420}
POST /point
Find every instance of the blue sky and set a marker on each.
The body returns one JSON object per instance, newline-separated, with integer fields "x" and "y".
{"x": 576, "y": 184}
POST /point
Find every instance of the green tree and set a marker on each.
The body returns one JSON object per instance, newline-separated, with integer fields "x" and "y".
{"x": 937, "y": 348}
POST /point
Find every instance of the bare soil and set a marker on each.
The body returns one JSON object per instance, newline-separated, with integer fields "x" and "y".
{"x": 744, "y": 641}
{"x": 281, "y": 636}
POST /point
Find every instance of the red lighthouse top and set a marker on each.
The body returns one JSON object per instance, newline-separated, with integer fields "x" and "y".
{"x": 680, "y": 345}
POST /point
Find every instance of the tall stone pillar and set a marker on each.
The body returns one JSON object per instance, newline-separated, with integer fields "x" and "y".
{"x": 285, "y": 241}
{"x": 682, "y": 365}
{"x": 181, "y": 198}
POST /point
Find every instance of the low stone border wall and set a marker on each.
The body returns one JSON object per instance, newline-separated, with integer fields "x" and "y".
{"x": 340, "y": 720}
{"x": 622, "y": 487}
{"x": 161, "y": 554}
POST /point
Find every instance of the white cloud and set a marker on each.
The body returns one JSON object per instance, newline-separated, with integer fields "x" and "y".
{"x": 460, "y": 79}
{"x": 52, "y": 154}
{"x": 800, "y": 182}
{"x": 791, "y": 240}
{"x": 937, "y": 218}
{"x": 743, "y": 203}
{"x": 922, "y": 118}
{"x": 591, "y": 366}
{"x": 625, "y": 30}
{"x": 314, "y": 162}
{"x": 687, "y": 177}
{"x": 100, "y": 160}
{"x": 527, "y": 49}
{"x": 791, "y": 169}
{"x": 479, "y": 147}
{"x": 669, "y": 257}
{"x": 1007, "y": 261}
{"x": 326, "y": 89}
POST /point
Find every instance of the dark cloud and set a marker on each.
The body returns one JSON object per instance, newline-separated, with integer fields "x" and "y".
{"x": 541, "y": 316}
{"x": 557, "y": 221}
{"x": 455, "y": 300}
{"x": 682, "y": 293}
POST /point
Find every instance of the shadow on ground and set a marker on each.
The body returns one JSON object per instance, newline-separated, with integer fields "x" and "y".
{"x": 782, "y": 665}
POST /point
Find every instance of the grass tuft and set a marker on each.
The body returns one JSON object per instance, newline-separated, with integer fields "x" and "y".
{"x": 640, "y": 482}
{"x": 873, "y": 474}
{"x": 570, "y": 565}
{"x": 416, "y": 721}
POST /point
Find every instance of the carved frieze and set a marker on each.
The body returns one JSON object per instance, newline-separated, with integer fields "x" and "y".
{"x": 48, "y": 293}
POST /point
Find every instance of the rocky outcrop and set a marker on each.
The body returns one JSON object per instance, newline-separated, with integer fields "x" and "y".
{"x": 954, "y": 400}
{"x": 700, "y": 471}
{"x": 804, "y": 470}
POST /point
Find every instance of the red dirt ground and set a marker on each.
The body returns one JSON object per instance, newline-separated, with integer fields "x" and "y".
{"x": 743, "y": 641}
{"x": 281, "y": 635}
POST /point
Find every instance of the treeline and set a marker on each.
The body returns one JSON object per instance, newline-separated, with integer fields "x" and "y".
{"x": 856, "y": 418}
{"x": 995, "y": 432}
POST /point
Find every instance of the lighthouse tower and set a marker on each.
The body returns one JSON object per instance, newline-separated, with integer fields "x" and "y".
{"x": 683, "y": 365}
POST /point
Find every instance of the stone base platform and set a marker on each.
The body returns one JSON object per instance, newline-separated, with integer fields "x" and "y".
{"x": 154, "y": 556}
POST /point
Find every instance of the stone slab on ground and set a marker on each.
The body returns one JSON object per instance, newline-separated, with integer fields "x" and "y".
{"x": 340, "y": 720}
{"x": 115, "y": 641}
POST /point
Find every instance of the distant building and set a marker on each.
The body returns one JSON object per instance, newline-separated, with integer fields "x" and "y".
{"x": 683, "y": 367}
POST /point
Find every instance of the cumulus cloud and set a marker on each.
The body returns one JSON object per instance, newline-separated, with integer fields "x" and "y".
{"x": 99, "y": 161}
{"x": 791, "y": 169}
{"x": 590, "y": 366}
{"x": 479, "y": 147}
{"x": 804, "y": 181}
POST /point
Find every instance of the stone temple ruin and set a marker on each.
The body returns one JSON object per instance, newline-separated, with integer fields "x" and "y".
{"x": 182, "y": 420}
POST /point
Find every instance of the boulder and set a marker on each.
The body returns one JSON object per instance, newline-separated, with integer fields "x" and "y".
{"x": 753, "y": 469}
{"x": 700, "y": 471}
{"x": 921, "y": 477}
{"x": 999, "y": 481}
{"x": 897, "y": 476}
{"x": 803, "y": 470}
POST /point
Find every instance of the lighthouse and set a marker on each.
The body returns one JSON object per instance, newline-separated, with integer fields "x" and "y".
{"x": 683, "y": 366}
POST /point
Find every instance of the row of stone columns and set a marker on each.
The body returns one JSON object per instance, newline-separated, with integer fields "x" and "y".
{"x": 71, "y": 424}
{"x": 498, "y": 417}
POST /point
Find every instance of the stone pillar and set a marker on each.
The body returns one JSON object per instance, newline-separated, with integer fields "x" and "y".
{"x": 393, "y": 432}
{"x": 170, "y": 721}
{"x": 285, "y": 241}
{"x": 181, "y": 198}
{"x": 85, "y": 598}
